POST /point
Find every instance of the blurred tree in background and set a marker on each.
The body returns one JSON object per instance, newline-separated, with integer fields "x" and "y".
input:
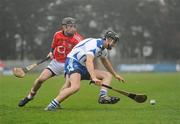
{"x": 149, "y": 29}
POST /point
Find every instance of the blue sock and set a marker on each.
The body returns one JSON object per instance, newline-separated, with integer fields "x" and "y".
{"x": 103, "y": 92}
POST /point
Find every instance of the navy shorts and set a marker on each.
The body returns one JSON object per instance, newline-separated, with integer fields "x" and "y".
{"x": 73, "y": 66}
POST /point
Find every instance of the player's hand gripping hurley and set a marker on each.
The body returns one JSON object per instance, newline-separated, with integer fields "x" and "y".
{"x": 20, "y": 72}
{"x": 140, "y": 98}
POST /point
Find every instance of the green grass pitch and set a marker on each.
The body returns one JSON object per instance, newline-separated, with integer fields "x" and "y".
{"x": 82, "y": 108}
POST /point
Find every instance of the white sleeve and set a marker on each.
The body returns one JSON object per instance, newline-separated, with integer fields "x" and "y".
{"x": 90, "y": 48}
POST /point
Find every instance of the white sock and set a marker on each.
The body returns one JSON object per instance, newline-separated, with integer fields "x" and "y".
{"x": 103, "y": 92}
{"x": 54, "y": 104}
{"x": 31, "y": 95}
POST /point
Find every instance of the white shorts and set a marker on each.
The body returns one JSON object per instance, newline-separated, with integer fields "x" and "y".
{"x": 56, "y": 67}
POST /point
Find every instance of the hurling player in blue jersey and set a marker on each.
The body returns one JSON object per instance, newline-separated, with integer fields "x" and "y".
{"x": 79, "y": 66}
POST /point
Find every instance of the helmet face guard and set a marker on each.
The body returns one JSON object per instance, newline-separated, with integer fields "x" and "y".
{"x": 111, "y": 35}
{"x": 69, "y": 22}
{"x": 109, "y": 47}
{"x": 111, "y": 44}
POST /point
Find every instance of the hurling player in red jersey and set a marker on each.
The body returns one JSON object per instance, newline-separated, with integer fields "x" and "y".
{"x": 63, "y": 41}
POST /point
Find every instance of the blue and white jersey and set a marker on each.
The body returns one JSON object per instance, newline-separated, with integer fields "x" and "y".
{"x": 90, "y": 46}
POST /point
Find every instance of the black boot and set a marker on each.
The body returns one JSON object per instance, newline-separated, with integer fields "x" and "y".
{"x": 108, "y": 100}
{"x": 24, "y": 102}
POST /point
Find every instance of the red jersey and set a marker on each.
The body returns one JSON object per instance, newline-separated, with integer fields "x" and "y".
{"x": 62, "y": 45}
